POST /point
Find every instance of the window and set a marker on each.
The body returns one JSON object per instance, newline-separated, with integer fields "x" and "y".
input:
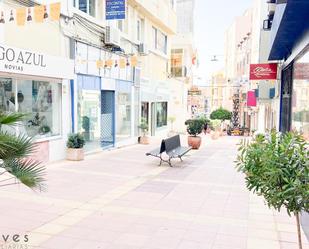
{"x": 87, "y": 6}
{"x": 138, "y": 29}
{"x": 122, "y": 25}
{"x": 161, "y": 114}
{"x": 41, "y": 99}
{"x": 300, "y": 96}
{"x": 176, "y": 63}
{"x": 159, "y": 40}
{"x": 154, "y": 38}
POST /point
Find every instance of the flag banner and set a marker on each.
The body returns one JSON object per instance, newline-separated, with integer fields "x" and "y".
{"x": 55, "y": 11}
{"x": 21, "y": 16}
{"x": 39, "y": 13}
{"x": 122, "y": 63}
{"x": 109, "y": 63}
{"x": 133, "y": 61}
{"x": 100, "y": 64}
{"x": 263, "y": 71}
{"x": 36, "y": 13}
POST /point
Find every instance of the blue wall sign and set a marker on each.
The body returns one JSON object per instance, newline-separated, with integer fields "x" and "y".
{"x": 115, "y": 9}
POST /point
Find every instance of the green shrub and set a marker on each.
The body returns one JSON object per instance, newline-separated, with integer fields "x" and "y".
{"x": 194, "y": 126}
{"x": 221, "y": 114}
{"x": 75, "y": 141}
{"x": 143, "y": 126}
{"x": 277, "y": 168}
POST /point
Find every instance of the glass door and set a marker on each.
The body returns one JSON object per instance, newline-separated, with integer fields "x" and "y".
{"x": 107, "y": 119}
{"x": 89, "y": 118}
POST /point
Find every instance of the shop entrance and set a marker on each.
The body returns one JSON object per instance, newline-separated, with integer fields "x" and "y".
{"x": 107, "y": 119}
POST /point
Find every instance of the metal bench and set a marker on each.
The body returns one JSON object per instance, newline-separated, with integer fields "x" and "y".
{"x": 172, "y": 147}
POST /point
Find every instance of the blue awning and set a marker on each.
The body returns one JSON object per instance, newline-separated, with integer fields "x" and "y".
{"x": 290, "y": 22}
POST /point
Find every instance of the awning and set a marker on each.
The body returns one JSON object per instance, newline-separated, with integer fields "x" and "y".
{"x": 290, "y": 22}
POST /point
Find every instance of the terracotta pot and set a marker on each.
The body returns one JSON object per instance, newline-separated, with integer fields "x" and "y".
{"x": 144, "y": 140}
{"x": 75, "y": 154}
{"x": 194, "y": 142}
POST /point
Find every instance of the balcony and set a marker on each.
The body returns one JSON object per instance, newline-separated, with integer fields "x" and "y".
{"x": 158, "y": 11}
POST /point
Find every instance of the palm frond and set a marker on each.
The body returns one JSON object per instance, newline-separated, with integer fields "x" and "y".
{"x": 7, "y": 118}
{"x": 12, "y": 146}
{"x": 27, "y": 171}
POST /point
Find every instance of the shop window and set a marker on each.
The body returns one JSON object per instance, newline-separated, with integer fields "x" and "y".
{"x": 145, "y": 112}
{"x": 159, "y": 40}
{"x": 7, "y": 95}
{"x": 87, "y": 6}
{"x": 300, "y": 96}
{"x": 40, "y": 99}
{"x": 161, "y": 114}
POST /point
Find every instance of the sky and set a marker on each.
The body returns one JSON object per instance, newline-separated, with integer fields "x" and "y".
{"x": 212, "y": 18}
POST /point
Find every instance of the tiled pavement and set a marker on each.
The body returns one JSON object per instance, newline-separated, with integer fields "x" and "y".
{"x": 121, "y": 199}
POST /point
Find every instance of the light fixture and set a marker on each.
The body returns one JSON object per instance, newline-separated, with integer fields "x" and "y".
{"x": 45, "y": 12}
{"x": 214, "y": 58}
{"x": 11, "y": 16}
{"x": 2, "y": 18}
{"x": 29, "y": 18}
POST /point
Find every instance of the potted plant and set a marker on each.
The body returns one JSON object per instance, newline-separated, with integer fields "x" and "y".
{"x": 215, "y": 127}
{"x": 246, "y": 131}
{"x": 144, "y": 139}
{"x": 276, "y": 167}
{"x": 194, "y": 128}
{"x": 222, "y": 115}
{"x": 75, "y": 144}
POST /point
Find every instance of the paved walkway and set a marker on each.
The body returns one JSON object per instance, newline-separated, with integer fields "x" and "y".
{"x": 121, "y": 200}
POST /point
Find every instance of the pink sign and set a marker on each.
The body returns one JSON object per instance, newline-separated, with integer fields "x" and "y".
{"x": 263, "y": 71}
{"x": 251, "y": 99}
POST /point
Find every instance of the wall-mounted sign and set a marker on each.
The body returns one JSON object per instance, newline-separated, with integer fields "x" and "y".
{"x": 19, "y": 61}
{"x": 194, "y": 92}
{"x": 115, "y": 9}
{"x": 251, "y": 99}
{"x": 263, "y": 71}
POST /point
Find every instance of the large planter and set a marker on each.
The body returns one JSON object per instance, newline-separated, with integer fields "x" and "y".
{"x": 144, "y": 140}
{"x": 75, "y": 154}
{"x": 215, "y": 135}
{"x": 194, "y": 142}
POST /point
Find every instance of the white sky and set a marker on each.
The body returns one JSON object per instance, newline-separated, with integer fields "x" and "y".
{"x": 212, "y": 18}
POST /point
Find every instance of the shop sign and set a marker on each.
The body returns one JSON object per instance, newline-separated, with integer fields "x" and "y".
{"x": 263, "y": 71}
{"x": 115, "y": 9}
{"x": 194, "y": 92}
{"x": 19, "y": 61}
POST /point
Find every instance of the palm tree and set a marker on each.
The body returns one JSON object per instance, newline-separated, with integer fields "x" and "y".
{"x": 14, "y": 155}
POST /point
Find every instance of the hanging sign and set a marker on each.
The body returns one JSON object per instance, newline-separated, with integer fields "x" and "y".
{"x": 115, "y": 9}
{"x": 19, "y": 61}
{"x": 263, "y": 71}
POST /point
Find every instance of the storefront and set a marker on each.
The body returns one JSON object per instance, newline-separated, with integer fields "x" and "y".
{"x": 36, "y": 84}
{"x": 154, "y": 106}
{"x": 290, "y": 43}
{"x": 104, "y": 98}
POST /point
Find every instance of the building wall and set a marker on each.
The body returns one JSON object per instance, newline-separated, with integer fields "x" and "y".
{"x": 45, "y": 38}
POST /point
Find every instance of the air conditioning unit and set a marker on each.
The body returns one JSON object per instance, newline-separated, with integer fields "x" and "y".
{"x": 143, "y": 49}
{"x": 112, "y": 36}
